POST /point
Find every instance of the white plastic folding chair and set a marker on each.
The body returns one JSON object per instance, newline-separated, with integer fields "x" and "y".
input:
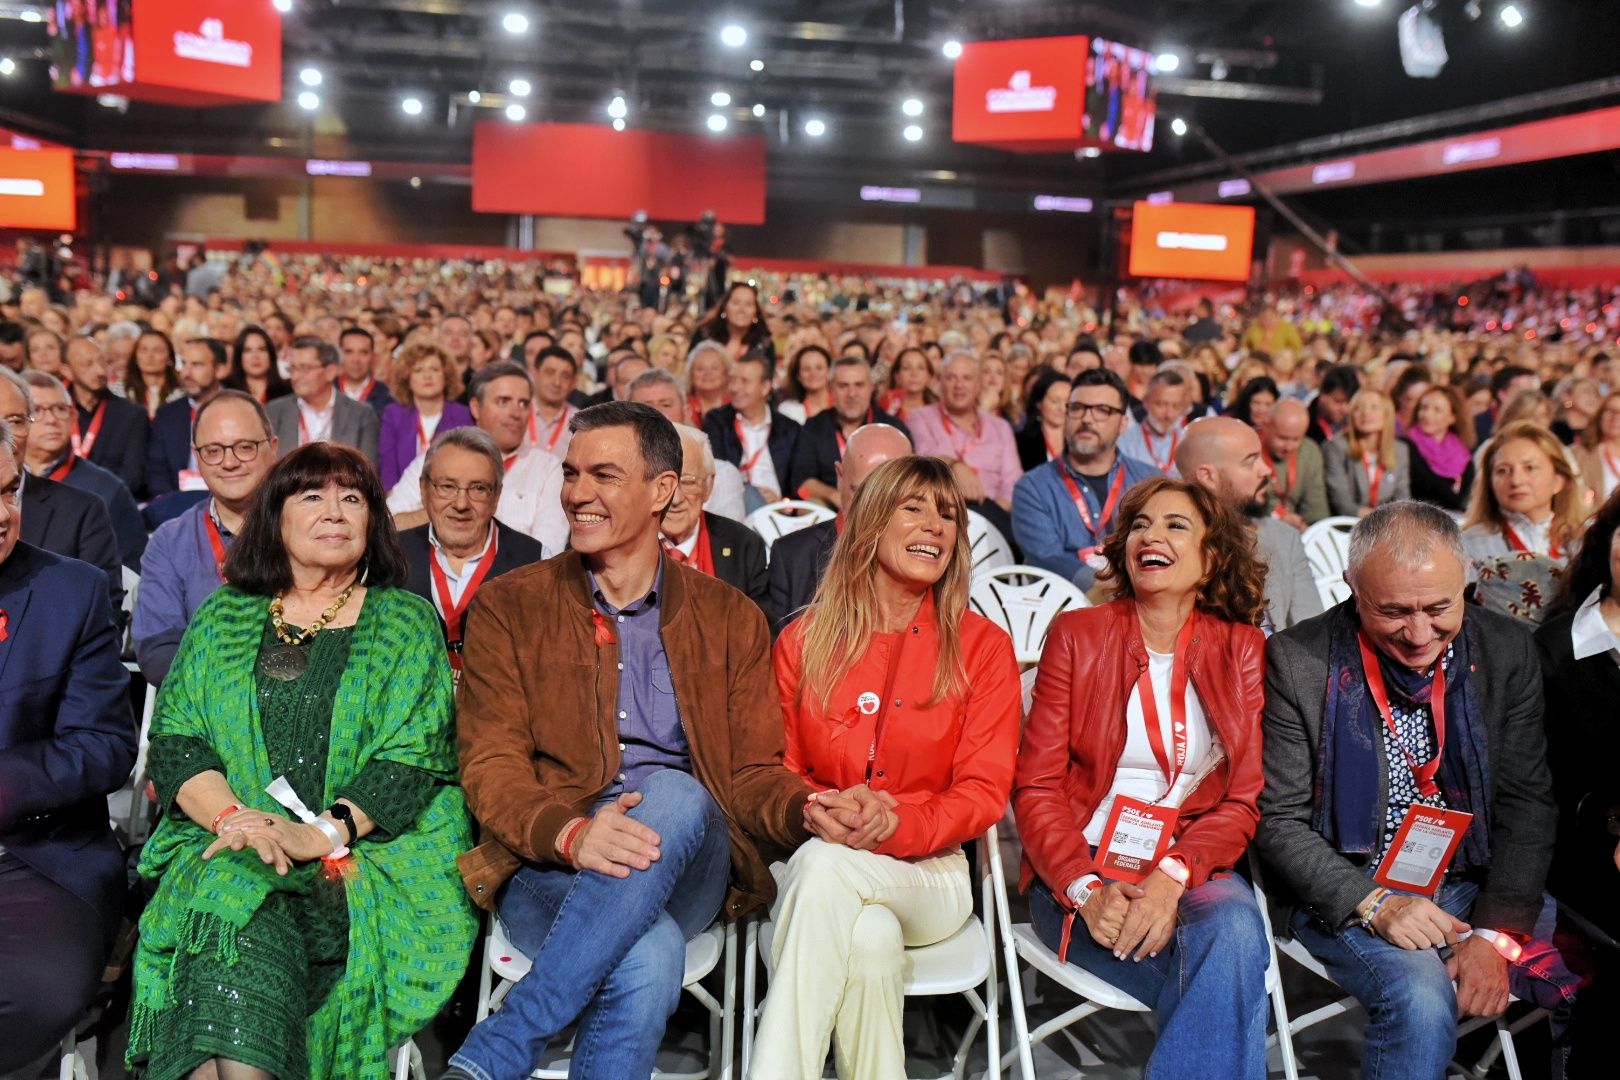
{"x": 139, "y": 814}
{"x": 1023, "y": 600}
{"x": 964, "y": 963}
{"x": 408, "y": 1062}
{"x": 790, "y": 515}
{"x": 989, "y": 548}
{"x": 132, "y": 586}
{"x": 1327, "y": 549}
{"x": 504, "y": 965}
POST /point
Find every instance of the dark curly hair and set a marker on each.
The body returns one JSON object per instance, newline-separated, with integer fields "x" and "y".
{"x": 1589, "y": 569}
{"x": 1234, "y": 586}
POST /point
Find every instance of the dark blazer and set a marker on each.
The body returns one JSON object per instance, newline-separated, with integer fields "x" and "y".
{"x": 129, "y": 528}
{"x": 1508, "y": 685}
{"x": 72, "y": 523}
{"x": 1583, "y": 743}
{"x": 120, "y": 448}
{"x": 721, "y": 428}
{"x": 739, "y": 557}
{"x": 797, "y": 562}
{"x": 396, "y": 443}
{"x": 378, "y": 397}
{"x": 353, "y": 424}
{"x": 67, "y": 736}
{"x": 169, "y": 449}
{"x": 1031, "y": 442}
{"x": 512, "y": 550}
{"x": 816, "y": 454}
{"x": 1431, "y": 487}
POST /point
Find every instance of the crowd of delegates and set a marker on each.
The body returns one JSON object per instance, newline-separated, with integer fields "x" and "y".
{"x": 404, "y": 533}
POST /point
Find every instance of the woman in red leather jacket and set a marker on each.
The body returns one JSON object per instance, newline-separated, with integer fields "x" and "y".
{"x": 894, "y": 696}
{"x": 1139, "y": 775}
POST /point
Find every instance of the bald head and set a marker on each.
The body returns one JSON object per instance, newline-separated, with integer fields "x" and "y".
{"x": 1223, "y": 455}
{"x": 869, "y": 447}
{"x": 1286, "y": 430}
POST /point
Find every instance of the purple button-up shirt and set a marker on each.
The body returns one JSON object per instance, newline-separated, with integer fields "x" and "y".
{"x": 650, "y": 732}
{"x": 178, "y": 573}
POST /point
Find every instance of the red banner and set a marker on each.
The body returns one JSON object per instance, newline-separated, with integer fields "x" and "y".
{"x": 36, "y": 190}
{"x": 1190, "y": 240}
{"x": 587, "y": 170}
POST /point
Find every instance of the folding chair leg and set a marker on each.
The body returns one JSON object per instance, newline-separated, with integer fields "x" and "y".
{"x": 728, "y": 1018}
{"x": 1285, "y": 1038}
{"x": 750, "y": 988}
{"x": 1510, "y": 1059}
{"x": 992, "y": 999}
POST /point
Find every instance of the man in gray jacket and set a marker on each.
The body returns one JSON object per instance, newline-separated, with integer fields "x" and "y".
{"x": 1407, "y": 815}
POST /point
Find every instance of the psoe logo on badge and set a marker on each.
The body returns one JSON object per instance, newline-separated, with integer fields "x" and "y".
{"x": 867, "y": 703}
{"x": 210, "y": 46}
{"x": 1019, "y": 96}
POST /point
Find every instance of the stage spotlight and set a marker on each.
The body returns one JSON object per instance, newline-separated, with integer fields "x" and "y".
{"x": 474, "y": 97}
{"x": 515, "y": 22}
{"x": 1511, "y": 16}
{"x": 412, "y": 106}
{"x": 759, "y": 110}
{"x": 719, "y": 99}
{"x": 309, "y": 101}
{"x": 756, "y": 65}
{"x": 1167, "y": 62}
{"x": 617, "y": 107}
{"x": 733, "y": 36}
{"x": 1178, "y": 126}
{"x": 815, "y": 128}
{"x": 520, "y": 87}
{"x": 913, "y": 133}
{"x": 912, "y": 106}
{"x": 717, "y": 123}
{"x": 310, "y": 76}
{"x": 952, "y": 49}
{"x": 1369, "y": 3}
{"x": 283, "y": 6}
{"x": 618, "y": 123}
{"x": 8, "y": 66}
{"x": 516, "y": 112}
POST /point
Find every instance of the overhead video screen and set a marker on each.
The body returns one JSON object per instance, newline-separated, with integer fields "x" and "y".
{"x": 1195, "y": 241}
{"x": 1121, "y": 103}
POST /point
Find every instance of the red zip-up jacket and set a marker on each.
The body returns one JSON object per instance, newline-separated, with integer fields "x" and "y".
{"x": 1076, "y": 734}
{"x": 950, "y": 766}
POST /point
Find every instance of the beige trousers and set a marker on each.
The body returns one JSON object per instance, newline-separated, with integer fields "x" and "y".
{"x": 842, "y": 922}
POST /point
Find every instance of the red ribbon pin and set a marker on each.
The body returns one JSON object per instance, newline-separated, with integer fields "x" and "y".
{"x": 5, "y": 623}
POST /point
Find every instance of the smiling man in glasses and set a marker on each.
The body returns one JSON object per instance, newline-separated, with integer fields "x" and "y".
{"x": 184, "y": 560}
{"x": 462, "y": 545}
{"x": 1063, "y": 510}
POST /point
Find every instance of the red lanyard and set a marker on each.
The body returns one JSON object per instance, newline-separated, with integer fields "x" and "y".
{"x": 82, "y": 444}
{"x": 421, "y": 432}
{"x": 1375, "y": 477}
{"x": 950, "y": 433}
{"x": 694, "y": 409}
{"x": 365, "y": 387}
{"x": 556, "y": 429}
{"x": 702, "y": 557}
{"x": 1291, "y": 464}
{"x": 1095, "y": 526}
{"x": 843, "y": 440}
{"x": 1515, "y": 543}
{"x": 1325, "y": 427}
{"x": 747, "y": 467}
{"x": 60, "y": 473}
{"x": 1423, "y": 774}
{"x": 455, "y": 615}
{"x": 1178, "y": 708}
{"x": 508, "y": 462}
{"x": 217, "y": 543}
{"x": 1169, "y": 459}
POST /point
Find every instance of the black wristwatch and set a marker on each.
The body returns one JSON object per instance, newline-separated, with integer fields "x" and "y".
{"x": 344, "y": 816}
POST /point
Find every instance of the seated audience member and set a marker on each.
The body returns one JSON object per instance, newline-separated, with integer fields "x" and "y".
{"x": 1365, "y": 465}
{"x": 44, "y": 352}
{"x": 254, "y": 367}
{"x": 708, "y": 379}
{"x": 616, "y": 858}
{"x": 150, "y": 380}
{"x": 170, "y": 463}
{"x": 1528, "y": 500}
{"x": 356, "y": 365}
{"x": 499, "y": 398}
{"x": 56, "y": 516}
{"x": 1256, "y": 402}
{"x": 50, "y": 454}
{"x": 1441, "y": 438}
{"x": 890, "y": 612}
{"x": 978, "y": 445}
{"x": 808, "y": 390}
{"x": 1506, "y": 383}
{"x": 911, "y": 384}
{"x": 555, "y": 372}
{"x": 1225, "y": 456}
{"x": 623, "y": 365}
{"x": 813, "y": 474}
{"x": 426, "y": 383}
{"x": 316, "y": 411}
{"x": 737, "y": 323}
{"x": 1597, "y": 452}
{"x": 752, "y": 434}
{"x": 67, "y": 740}
{"x": 1406, "y": 389}
{"x": 799, "y": 559}
{"x": 185, "y": 559}
{"x": 1164, "y": 423}
{"x": 1041, "y": 438}
{"x": 1330, "y": 408}
{"x": 1147, "y": 709}
{"x": 718, "y": 546}
{"x": 1298, "y": 493}
{"x": 462, "y": 545}
{"x": 662, "y": 391}
{"x": 1063, "y": 510}
{"x": 1432, "y": 719}
{"x": 1141, "y": 360}
{"x": 108, "y": 430}
{"x": 13, "y": 344}
{"x": 280, "y": 943}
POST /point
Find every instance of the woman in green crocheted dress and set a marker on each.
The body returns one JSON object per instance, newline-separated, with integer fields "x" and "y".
{"x": 309, "y": 711}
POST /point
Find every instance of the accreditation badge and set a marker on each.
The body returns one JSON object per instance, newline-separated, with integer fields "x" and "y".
{"x": 1422, "y": 849}
{"x": 1136, "y": 838}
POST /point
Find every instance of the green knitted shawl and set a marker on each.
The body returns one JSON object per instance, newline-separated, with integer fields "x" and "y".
{"x": 411, "y": 925}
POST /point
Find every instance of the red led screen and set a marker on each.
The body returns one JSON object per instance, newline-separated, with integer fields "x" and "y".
{"x": 1190, "y": 240}
{"x": 36, "y": 190}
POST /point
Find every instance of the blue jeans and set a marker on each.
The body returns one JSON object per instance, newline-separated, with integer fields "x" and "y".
{"x": 608, "y": 951}
{"x": 1207, "y": 987}
{"x": 1410, "y": 1000}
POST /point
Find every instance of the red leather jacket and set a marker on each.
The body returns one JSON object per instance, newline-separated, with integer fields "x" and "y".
{"x": 950, "y": 765}
{"x": 1076, "y": 733}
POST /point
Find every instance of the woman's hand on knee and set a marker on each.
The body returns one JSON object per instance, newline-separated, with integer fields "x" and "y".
{"x": 1104, "y": 913}
{"x": 1151, "y": 919}
{"x": 265, "y": 845}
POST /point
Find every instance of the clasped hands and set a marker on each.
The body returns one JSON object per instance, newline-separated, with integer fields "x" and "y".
{"x": 856, "y": 817}
{"x": 1123, "y": 917}
{"x": 1481, "y": 973}
{"x": 279, "y": 842}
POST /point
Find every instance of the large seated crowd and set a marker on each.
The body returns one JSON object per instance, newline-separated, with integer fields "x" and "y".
{"x": 451, "y": 581}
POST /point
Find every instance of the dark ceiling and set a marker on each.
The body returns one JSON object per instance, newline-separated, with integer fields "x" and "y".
{"x": 1294, "y": 69}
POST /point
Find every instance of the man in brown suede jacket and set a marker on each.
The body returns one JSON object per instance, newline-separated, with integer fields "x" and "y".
{"x": 621, "y": 746}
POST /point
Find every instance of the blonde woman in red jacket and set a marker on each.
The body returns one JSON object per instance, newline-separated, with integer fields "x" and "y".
{"x": 1139, "y": 777}
{"x": 888, "y": 685}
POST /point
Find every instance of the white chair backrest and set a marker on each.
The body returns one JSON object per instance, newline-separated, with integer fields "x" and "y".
{"x": 1327, "y": 549}
{"x": 790, "y": 515}
{"x": 1023, "y": 600}
{"x": 989, "y": 548}
{"x": 1027, "y": 679}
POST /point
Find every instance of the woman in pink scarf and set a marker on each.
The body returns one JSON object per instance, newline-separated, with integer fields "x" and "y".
{"x": 1442, "y": 440}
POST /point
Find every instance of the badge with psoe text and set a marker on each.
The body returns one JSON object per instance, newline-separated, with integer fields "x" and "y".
{"x": 1135, "y": 839}
{"x": 1422, "y": 849}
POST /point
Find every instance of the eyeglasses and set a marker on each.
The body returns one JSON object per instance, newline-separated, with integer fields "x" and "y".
{"x": 17, "y": 420}
{"x": 304, "y": 369}
{"x": 59, "y": 411}
{"x": 478, "y": 492}
{"x": 693, "y": 484}
{"x": 1080, "y": 410}
{"x": 245, "y": 450}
